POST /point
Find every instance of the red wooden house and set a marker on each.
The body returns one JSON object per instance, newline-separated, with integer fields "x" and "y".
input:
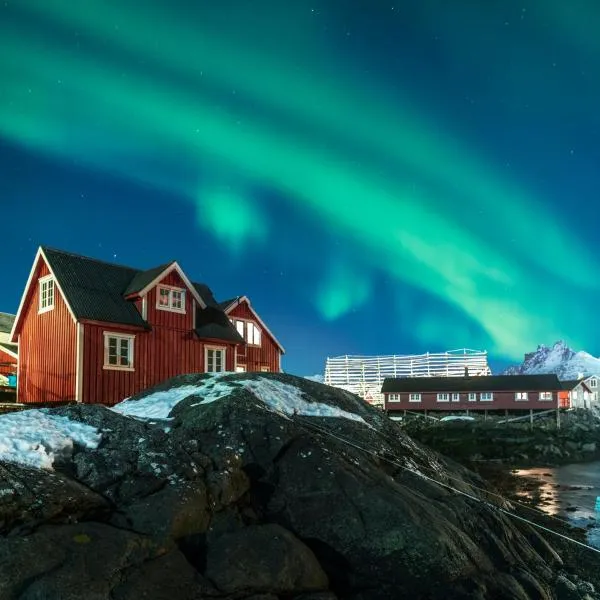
{"x": 479, "y": 393}
{"x": 262, "y": 351}
{"x": 8, "y": 351}
{"x": 95, "y": 332}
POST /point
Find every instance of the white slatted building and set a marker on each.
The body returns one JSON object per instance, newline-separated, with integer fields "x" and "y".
{"x": 364, "y": 375}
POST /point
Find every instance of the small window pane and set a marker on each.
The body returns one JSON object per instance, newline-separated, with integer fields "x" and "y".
{"x": 163, "y": 297}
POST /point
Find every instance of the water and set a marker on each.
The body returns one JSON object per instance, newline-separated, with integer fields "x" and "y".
{"x": 570, "y": 492}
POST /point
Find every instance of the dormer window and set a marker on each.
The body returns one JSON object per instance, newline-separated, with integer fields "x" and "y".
{"x": 169, "y": 298}
{"x": 248, "y": 330}
{"x": 46, "y": 293}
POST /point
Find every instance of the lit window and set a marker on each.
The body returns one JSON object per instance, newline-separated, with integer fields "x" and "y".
{"x": 414, "y": 398}
{"x": 46, "y": 294}
{"x": 455, "y": 397}
{"x": 248, "y": 330}
{"x": 215, "y": 360}
{"x": 118, "y": 351}
{"x": 265, "y": 369}
{"x": 393, "y": 397}
{"x": 443, "y": 397}
{"x": 486, "y": 396}
{"x": 171, "y": 299}
{"x": 520, "y": 395}
{"x": 545, "y": 395}
{"x": 240, "y": 369}
{"x": 472, "y": 397}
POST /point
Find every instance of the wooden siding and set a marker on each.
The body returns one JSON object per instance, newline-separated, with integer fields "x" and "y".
{"x": 8, "y": 363}
{"x": 253, "y": 357}
{"x": 501, "y": 401}
{"x": 47, "y": 348}
{"x": 159, "y": 354}
{"x": 166, "y": 318}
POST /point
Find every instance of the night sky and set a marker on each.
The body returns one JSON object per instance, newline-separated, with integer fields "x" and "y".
{"x": 378, "y": 177}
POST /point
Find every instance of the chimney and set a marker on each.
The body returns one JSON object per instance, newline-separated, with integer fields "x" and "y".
{"x": 466, "y": 371}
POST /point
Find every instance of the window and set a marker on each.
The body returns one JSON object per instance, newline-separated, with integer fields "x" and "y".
{"x": 240, "y": 369}
{"x": 574, "y": 394}
{"x": 472, "y": 397}
{"x": 215, "y": 360}
{"x": 443, "y": 397}
{"x": 545, "y": 395}
{"x": 118, "y": 351}
{"x": 264, "y": 369}
{"x": 46, "y": 294}
{"x": 248, "y": 330}
{"x": 414, "y": 398}
{"x": 486, "y": 396}
{"x": 593, "y": 383}
{"x": 520, "y": 395}
{"x": 172, "y": 299}
{"x": 455, "y": 397}
{"x": 393, "y": 397}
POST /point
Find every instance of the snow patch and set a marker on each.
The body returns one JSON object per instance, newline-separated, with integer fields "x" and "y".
{"x": 278, "y": 396}
{"x": 34, "y": 438}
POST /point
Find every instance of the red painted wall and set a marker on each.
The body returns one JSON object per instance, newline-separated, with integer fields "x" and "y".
{"x": 171, "y": 348}
{"x": 7, "y": 369}
{"x": 501, "y": 401}
{"x": 252, "y": 356}
{"x": 47, "y": 348}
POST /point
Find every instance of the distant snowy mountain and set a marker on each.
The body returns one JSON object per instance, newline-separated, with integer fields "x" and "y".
{"x": 317, "y": 378}
{"x": 559, "y": 359}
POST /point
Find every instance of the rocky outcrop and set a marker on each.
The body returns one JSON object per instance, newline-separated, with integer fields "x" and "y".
{"x": 516, "y": 444}
{"x": 234, "y": 499}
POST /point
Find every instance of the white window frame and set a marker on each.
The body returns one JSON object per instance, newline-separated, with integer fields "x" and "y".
{"x": 240, "y": 368}
{"x": 222, "y": 349}
{"x": 130, "y": 350}
{"x": 44, "y": 282}
{"x": 171, "y": 290}
{"x": 393, "y": 398}
{"x": 455, "y": 397}
{"x": 415, "y": 397}
{"x": 472, "y": 396}
{"x": 593, "y": 383}
{"x": 265, "y": 369}
{"x": 443, "y": 397}
{"x": 249, "y": 330}
{"x": 545, "y": 396}
{"x": 521, "y": 396}
{"x": 574, "y": 394}
{"x": 484, "y": 396}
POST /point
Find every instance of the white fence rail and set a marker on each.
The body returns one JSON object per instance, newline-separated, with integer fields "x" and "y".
{"x": 364, "y": 375}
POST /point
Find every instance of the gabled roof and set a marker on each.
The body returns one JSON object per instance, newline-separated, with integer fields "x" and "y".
{"x": 483, "y": 383}
{"x": 143, "y": 278}
{"x": 6, "y": 322}
{"x": 571, "y": 384}
{"x": 229, "y": 305}
{"x": 94, "y": 289}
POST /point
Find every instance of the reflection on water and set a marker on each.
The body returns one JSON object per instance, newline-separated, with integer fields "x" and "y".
{"x": 568, "y": 491}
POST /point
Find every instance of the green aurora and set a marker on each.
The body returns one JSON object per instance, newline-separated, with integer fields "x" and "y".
{"x": 420, "y": 203}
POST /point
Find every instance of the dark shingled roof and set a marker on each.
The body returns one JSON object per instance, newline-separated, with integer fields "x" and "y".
{"x": 571, "y": 383}
{"x": 95, "y": 289}
{"x": 212, "y": 322}
{"x": 6, "y": 322}
{"x": 483, "y": 383}
{"x": 14, "y": 348}
{"x": 227, "y": 303}
{"x": 143, "y": 278}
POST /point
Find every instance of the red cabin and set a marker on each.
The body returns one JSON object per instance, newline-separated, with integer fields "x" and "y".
{"x": 8, "y": 352}
{"x": 479, "y": 393}
{"x": 95, "y": 332}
